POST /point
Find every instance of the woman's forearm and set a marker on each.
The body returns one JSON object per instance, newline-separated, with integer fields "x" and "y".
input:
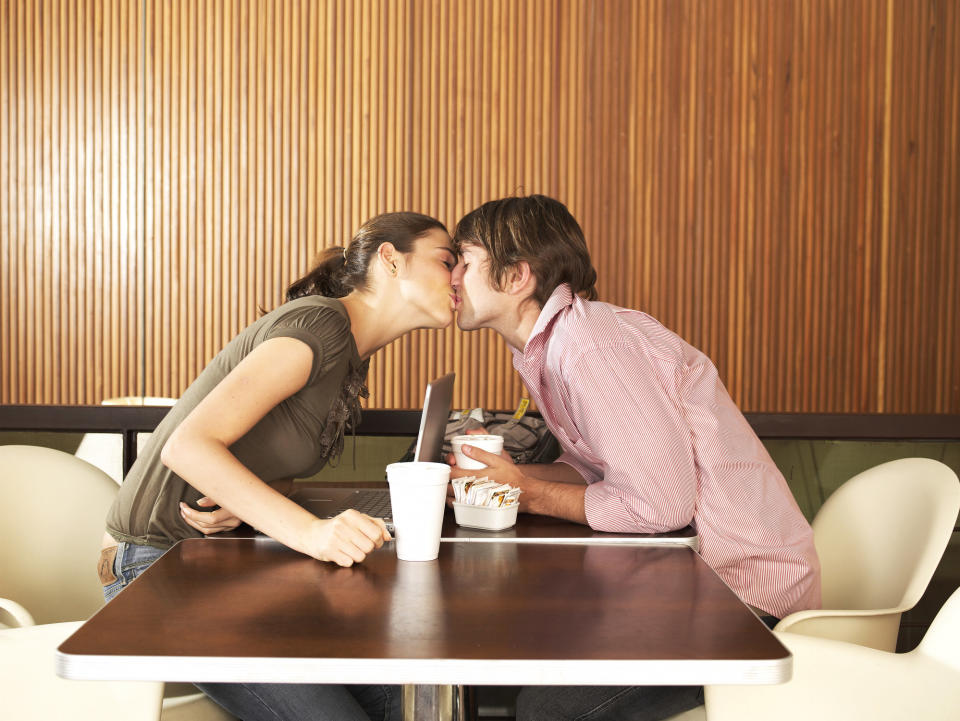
{"x": 210, "y": 467}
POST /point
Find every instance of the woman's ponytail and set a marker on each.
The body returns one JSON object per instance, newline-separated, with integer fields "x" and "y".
{"x": 326, "y": 279}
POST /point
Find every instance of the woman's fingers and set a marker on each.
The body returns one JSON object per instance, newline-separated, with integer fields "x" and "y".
{"x": 209, "y": 522}
{"x": 349, "y": 537}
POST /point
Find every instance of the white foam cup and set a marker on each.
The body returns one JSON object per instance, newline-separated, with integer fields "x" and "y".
{"x": 418, "y": 493}
{"x": 491, "y": 444}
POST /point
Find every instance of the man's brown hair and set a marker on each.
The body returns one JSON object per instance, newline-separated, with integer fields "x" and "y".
{"x": 535, "y": 229}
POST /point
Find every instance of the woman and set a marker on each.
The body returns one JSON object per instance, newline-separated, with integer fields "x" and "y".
{"x": 271, "y": 407}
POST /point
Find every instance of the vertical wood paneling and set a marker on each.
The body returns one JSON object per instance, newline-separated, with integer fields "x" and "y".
{"x": 777, "y": 182}
{"x": 69, "y": 225}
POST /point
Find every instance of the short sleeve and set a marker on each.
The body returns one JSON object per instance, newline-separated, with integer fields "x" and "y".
{"x": 324, "y": 330}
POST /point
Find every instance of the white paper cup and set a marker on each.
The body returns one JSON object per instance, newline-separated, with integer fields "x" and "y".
{"x": 491, "y": 444}
{"x": 418, "y": 493}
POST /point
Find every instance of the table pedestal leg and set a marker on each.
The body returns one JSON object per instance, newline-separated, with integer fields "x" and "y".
{"x": 435, "y": 703}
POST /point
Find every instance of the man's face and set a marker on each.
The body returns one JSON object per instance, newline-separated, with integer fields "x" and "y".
{"x": 478, "y": 304}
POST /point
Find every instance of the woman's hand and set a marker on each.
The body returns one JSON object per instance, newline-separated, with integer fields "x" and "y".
{"x": 208, "y": 522}
{"x": 346, "y": 539}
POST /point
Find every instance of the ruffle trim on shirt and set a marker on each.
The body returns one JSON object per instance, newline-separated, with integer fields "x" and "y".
{"x": 344, "y": 413}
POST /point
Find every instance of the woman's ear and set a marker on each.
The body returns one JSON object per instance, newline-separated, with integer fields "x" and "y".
{"x": 388, "y": 256}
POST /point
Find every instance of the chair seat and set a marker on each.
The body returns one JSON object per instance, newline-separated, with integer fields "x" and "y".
{"x": 695, "y": 714}
{"x": 30, "y": 689}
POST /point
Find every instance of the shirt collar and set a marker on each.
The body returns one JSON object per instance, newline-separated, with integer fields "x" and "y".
{"x": 559, "y": 300}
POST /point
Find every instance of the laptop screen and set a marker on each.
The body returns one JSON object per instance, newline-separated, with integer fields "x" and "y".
{"x": 433, "y": 420}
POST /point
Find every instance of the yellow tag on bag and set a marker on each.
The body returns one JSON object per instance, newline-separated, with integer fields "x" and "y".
{"x": 521, "y": 409}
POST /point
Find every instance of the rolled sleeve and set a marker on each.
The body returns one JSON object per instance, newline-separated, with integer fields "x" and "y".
{"x": 588, "y": 473}
{"x": 648, "y": 479}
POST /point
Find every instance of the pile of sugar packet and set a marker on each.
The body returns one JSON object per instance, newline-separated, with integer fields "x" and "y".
{"x": 483, "y": 492}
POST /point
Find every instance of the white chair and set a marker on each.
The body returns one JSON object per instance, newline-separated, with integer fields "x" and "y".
{"x": 880, "y": 537}
{"x": 51, "y": 528}
{"x": 105, "y": 450}
{"x": 12, "y": 611}
{"x": 838, "y": 680}
{"x": 30, "y": 689}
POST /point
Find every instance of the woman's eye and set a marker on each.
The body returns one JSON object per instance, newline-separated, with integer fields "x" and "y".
{"x": 449, "y": 265}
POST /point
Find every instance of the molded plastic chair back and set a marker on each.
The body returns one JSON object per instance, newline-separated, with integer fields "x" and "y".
{"x": 838, "y": 680}
{"x": 30, "y": 689}
{"x": 880, "y": 537}
{"x": 51, "y": 526}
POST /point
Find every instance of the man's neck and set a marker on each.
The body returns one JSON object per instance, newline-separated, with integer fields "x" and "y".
{"x": 516, "y": 330}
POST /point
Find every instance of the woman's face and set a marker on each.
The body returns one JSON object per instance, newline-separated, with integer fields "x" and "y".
{"x": 426, "y": 276}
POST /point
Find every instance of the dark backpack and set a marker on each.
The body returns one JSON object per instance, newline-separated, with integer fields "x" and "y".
{"x": 526, "y": 438}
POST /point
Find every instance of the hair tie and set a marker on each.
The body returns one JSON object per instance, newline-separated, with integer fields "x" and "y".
{"x": 344, "y": 253}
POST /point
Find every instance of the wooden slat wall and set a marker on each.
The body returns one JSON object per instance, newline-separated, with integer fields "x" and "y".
{"x": 776, "y": 181}
{"x": 70, "y": 238}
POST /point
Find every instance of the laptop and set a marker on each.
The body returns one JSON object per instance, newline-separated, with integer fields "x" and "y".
{"x": 327, "y": 502}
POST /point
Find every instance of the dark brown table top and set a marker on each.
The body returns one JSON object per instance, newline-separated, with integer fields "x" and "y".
{"x": 483, "y": 613}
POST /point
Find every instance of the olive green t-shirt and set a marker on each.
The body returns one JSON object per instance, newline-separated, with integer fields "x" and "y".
{"x": 294, "y": 440}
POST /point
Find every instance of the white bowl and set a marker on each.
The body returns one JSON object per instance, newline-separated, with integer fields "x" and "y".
{"x": 486, "y": 517}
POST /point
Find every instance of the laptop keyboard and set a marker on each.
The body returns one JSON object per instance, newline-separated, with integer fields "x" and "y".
{"x": 373, "y": 503}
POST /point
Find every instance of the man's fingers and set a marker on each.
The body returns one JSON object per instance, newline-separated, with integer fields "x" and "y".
{"x": 481, "y": 455}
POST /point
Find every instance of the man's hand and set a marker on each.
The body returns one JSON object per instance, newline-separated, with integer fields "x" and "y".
{"x": 560, "y": 499}
{"x": 209, "y": 522}
{"x": 499, "y": 468}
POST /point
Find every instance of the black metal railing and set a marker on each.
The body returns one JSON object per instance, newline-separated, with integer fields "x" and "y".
{"x": 130, "y": 420}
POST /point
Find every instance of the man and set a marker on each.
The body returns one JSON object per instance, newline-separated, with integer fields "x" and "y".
{"x": 652, "y": 441}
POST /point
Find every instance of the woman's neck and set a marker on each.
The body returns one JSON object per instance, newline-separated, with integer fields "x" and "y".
{"x": 375, "y": 321}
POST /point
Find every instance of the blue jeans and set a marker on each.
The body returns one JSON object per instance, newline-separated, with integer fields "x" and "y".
{"x": 131, "y": 561}
{"x": 273, "y": 701}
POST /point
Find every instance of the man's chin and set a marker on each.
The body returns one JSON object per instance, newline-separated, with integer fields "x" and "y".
{"x": 464, "y": 323}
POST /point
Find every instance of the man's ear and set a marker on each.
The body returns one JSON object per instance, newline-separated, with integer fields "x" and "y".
{"x": 520, "y": 280}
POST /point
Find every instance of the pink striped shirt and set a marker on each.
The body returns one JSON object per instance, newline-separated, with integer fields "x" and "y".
{"x": 645, "y": 419}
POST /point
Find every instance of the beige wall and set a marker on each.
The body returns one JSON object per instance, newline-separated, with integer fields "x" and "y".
{"x": 776, "y": 181}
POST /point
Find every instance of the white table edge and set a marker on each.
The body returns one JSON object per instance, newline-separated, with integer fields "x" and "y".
{"x": 424, "y": 671}
{"x": 689, "y": 542}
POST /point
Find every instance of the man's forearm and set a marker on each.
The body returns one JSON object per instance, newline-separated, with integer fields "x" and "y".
{"x": 552, "y": 498}
{"x": 556, "y": 471}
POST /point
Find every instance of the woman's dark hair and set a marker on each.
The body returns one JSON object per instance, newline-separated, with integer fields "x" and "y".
{"x": 339, "y": 271}
{"x": 535, "y": 229}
